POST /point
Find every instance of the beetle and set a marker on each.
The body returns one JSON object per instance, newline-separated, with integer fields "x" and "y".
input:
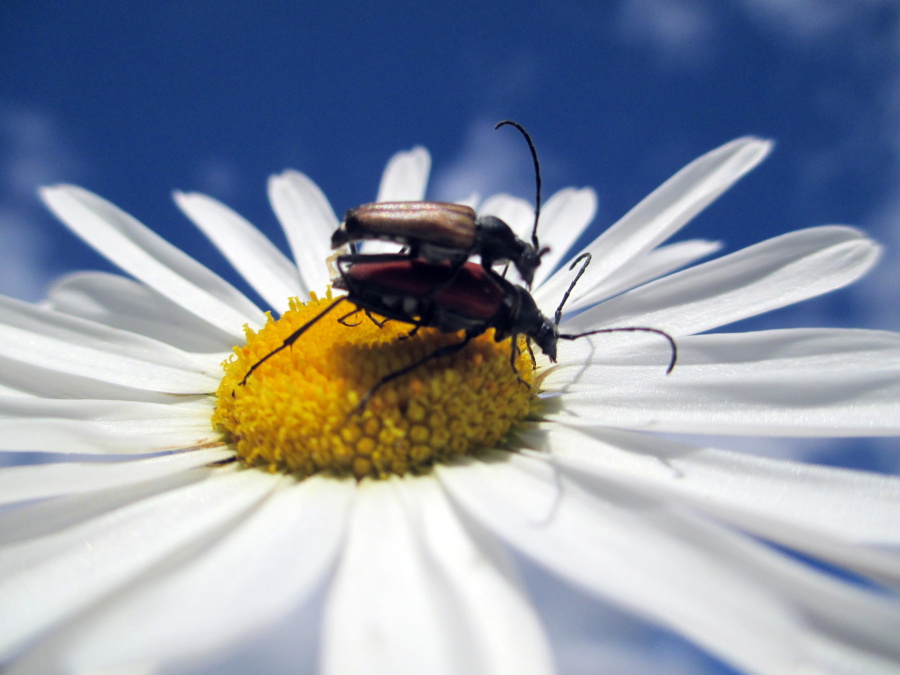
{"x": 470, "y": 299}
{"x": 441, "y": 231}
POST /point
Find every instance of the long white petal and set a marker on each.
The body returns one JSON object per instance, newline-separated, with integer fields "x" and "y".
{"x": 775, "y": 273}
{"x": 257, "y": 259}
{"x": 308, "y": 221}
{"x": 753, "y": 607}
{"x": 80, "y": 347}
{"x": 664, "y": 211}
{"x": 103, "y": 427}
{"x": 119, "y": 302}
{"x": 28, "y": 380}
{"x": 269, "y": 564}
{"x": 507, "y": 635}
{"x": 414, "y": 593}
{"x": 846, "y": 517}
{"x": 800, "y": 382}
{"x": 99, "y": 557}
{"x": 657, "y": 263}
{"x": 145, "y": 255}
{"x": 39, "y": 481}
{"x": 405, "y": 177}
{"x": 36, "y": 531}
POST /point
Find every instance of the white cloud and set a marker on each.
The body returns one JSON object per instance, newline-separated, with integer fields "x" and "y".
{"x": 22, "y": 273}
{"x": 32, "y": 153}
{"x": 806, "y": 20}
{"x": 684, "y": 33}
{"x": 217, "y": 177}
{"x": 490, "y": 162}
{"x": 35, "y": 153}
{"x": 878, "y": 295}
{"x": 680, "y": 32}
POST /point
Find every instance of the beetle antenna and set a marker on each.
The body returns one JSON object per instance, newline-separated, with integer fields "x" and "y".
{"x": 587, "y": 261}
{"x": 632, "y": 329}
{"x": 537, "y": 176}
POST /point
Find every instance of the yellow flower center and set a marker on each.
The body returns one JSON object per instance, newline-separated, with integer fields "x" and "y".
{"x": 298, "y": 412}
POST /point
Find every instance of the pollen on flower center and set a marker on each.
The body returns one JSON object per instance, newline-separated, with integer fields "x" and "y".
{"x": 298, "y": 413}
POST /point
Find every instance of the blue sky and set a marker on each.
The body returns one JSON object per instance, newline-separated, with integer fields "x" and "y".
{"x": 134, "y": 100}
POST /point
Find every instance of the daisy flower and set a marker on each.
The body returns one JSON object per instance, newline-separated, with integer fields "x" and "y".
{"x": 182, "y": 513}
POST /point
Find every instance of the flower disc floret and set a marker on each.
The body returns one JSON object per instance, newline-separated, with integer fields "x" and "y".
{"x": 299, "y": 411}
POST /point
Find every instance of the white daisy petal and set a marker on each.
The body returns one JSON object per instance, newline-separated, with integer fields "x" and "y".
{"x": 657, "y": 263}
{"x": 269, "y": 564}
{"x": 174, "y": 561}
{"x": 72, "y": 345}
{"x": 755, "y": 608}
{"x": 411, "y": 570}
{"x": 846, "y": 517}
{"x": 28, "y": 380}
{"x": 119, "y": 302}
{"x": 471, "y": 201}
{"x": 103, "y": 427}
{"x": 23, "y": 483}
{"x": 39, "y": 530}
{"x": 257, "y": 259}
{"x": 308, "y": 221}
{"x": 123, "y": 544}
{"x": 148, "y": 257}
{"x": 563, "y": 219}
{"x": 405, "y": 177}
{"x": 666, "y": 210}
{"x": 757, "y": 279}
{"x": 477, "y": 573}
{"x": 9, "y": 391}
{"x": 809, "y": 382}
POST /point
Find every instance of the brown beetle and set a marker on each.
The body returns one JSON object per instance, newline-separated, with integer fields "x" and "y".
{"x": 439, "y": 231}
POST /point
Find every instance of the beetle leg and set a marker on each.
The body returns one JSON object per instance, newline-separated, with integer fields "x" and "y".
{"x": 292, "y": 338}
{"x": 343, "y": 319}
{"x": 410, "y": 333}
{"x": 390, "y": 377}
{"x": 513, "y": 353}
{"x": 372, "y": 318}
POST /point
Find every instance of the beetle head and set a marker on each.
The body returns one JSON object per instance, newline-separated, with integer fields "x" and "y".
{"x": 340, "y": 237}
{"x": 546, "y": 337}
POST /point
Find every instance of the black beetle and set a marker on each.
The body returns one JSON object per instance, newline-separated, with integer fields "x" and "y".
{"x": 440, "y": 231}
{"x": 439, "y": 295}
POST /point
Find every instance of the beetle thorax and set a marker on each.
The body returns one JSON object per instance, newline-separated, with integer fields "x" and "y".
{"x": 497, "y": 241}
